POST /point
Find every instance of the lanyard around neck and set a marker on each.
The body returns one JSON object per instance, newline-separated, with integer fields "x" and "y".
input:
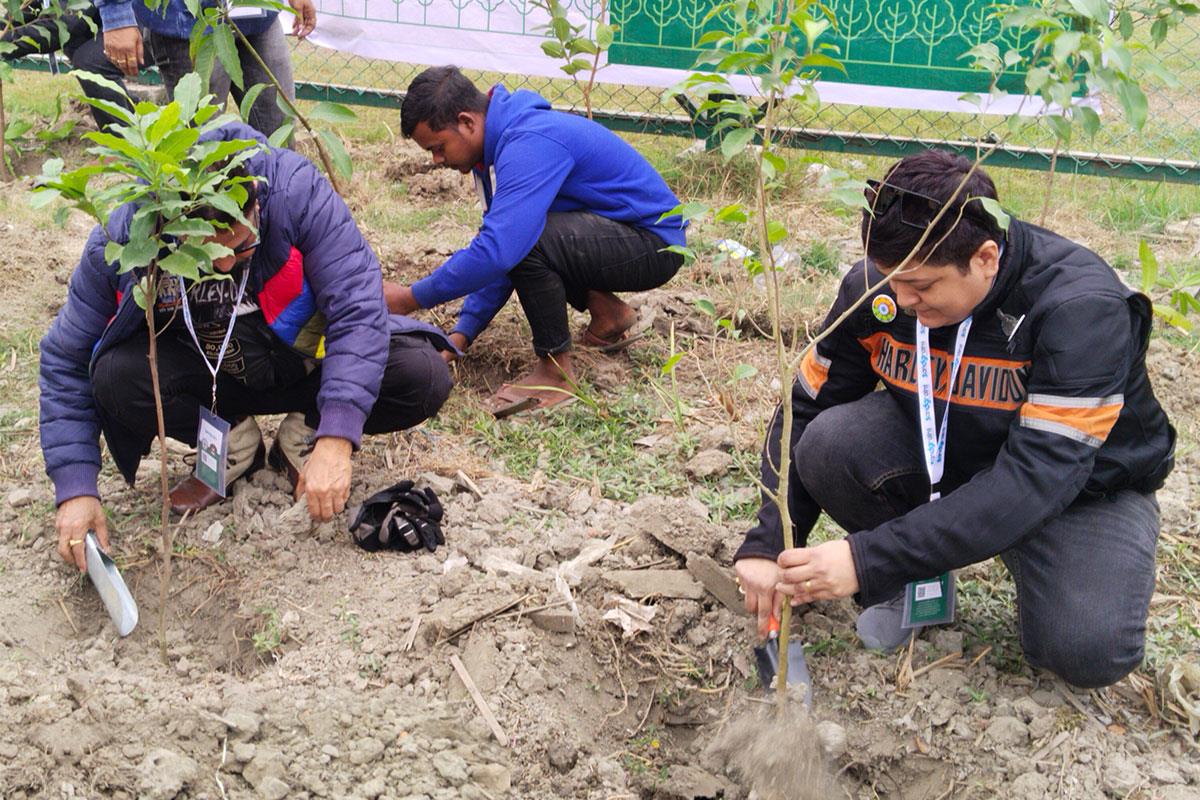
{"x": 933, "y": 439}
{"x": 213, "y": 369}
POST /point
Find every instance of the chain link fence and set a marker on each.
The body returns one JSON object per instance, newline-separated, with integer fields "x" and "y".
{"x": 925, "y": 54}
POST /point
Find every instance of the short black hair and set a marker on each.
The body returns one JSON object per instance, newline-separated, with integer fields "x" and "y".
{"x": 436, "y": 97}
{"x": 934, "y": 174}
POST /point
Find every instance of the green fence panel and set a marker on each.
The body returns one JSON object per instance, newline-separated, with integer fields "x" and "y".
{"x": 914, "y": 44}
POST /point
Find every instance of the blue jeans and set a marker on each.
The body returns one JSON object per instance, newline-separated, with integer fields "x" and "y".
{"x": 1084, "y": 580}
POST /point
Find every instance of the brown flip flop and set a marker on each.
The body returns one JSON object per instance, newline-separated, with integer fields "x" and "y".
{"x": 507, "y": 401}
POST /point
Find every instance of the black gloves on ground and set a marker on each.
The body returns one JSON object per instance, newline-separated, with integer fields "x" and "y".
{"x": 399, "y": 518}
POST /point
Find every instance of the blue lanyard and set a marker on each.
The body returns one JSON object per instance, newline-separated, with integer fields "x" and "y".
{"x": 933, "y": 440}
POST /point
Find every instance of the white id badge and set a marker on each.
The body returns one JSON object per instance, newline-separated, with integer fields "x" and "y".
{"x": 246, "y": 12}
{"x": 212, "y": 450}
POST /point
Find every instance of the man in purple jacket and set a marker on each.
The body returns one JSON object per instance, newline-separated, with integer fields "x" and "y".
{"x": 300, "y": 329}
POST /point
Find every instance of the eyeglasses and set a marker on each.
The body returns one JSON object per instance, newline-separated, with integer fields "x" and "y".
{"x": 916, "y": 210}
{"x": 254, "y": 242}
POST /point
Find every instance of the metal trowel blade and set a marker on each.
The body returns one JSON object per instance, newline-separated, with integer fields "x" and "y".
{"x": 111, "y": 586}
{"x": 766, "y": 656}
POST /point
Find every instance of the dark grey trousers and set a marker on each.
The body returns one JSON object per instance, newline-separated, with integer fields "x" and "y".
{"x": 1083, "y": 581}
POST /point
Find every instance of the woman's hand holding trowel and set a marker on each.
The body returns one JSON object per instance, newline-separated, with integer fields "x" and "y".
{"x": 74, "y": 519}
{"x": 757, "y": 578}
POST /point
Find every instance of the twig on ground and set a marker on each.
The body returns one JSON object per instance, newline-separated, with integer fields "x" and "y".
{"x": 67, "y": 614}
{"x": 980, "y": 657}
{"x": 520, "y": 612}
{"x": 480, "y": 702}
{"x": 411, "y": 637}
{"x": 217, "y": 772}
{"x": 620, "y": 681}
{"x": 941, "y": 662}
{"x": 466, "y": 481}
{"x": 646, "y": 713}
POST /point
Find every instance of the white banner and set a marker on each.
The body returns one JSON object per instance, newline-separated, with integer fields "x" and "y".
{"x": 506, "y": 35}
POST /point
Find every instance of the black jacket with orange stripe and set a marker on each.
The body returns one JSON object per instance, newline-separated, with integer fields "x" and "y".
{"x": 1052, "y": 400}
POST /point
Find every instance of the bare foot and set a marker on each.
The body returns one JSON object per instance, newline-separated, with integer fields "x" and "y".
{"x": 611, "y": 317}
{"x": 551, "y": 379}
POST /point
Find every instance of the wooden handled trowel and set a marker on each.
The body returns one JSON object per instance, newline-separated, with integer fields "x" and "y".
{"x": 766, "y": 656}
{"x": 111, "y": 586}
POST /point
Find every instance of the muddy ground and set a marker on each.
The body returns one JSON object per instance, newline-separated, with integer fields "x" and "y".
{"x": 297, "y": 665}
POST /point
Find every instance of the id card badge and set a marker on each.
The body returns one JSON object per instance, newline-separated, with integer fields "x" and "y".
{"x": 212, "y": 450}
{"x": 929, "y": 602}
{"x": 247, "y": 12}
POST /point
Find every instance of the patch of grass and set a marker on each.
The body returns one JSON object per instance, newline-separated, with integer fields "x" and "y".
{"x": 1149, "y": 207}
{"x": 270, "y": 634}
{"x": 592, "y": 444}
{"x": 986, "y": 611}
{"x": 822, "y": 257}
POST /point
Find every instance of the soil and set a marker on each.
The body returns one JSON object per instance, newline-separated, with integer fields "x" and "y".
{"x": 297, "y": 665}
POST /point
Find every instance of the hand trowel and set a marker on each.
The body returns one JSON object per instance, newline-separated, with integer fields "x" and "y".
{"x": 766, "y": 655}
{"x": 111, "y": 586}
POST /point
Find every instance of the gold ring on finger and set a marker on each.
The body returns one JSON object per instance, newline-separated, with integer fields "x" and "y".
{"x": 808, "y": 585}
{"x": 73, "y": 542}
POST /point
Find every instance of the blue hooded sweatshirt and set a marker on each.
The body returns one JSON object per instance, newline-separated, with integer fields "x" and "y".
{"x": 544, "y": 160}
{"x": 174, "y": 21}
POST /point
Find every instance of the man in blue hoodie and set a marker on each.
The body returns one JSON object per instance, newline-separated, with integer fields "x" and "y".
{"x": 300, "y": 329}
{"x": 119, "y": 51}
{"x": 572, "y": 214}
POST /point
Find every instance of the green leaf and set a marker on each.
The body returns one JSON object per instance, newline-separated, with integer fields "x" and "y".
{"x": 775, "y": 161}
{"x": 576, "y": 66}
{"x": 337, "y": 152}
{"x": 1095, "y": 10}
{"x": 605, "y": 34}
{"x": 332, "y": 112}
{"x": 582, "y": 45}
{"x": 139, "y": 293}
{"x": 1061, "y": 127}
{"x": 168, "y": 121}
{"x": 705, "y": 306}
{"x": 282, "y": 135}
{"x": 181, "y": 264}
{"x": 1149, "y": 266}
{"x": 83, "y": 76}
{"x": 553, "y": 49}
{"x": 1173, "y": 317}
{"x": 190, "y": 227}
{"x": 736, "y": 141}
{"x": 1125, "y": 24}
{"x": 734, "y": 212}
{"x": 138, "y": 253}
{"x": 776, "y": 231}
{"x": 1089, "y": 120}
{"x": 689, "y": 211}
{"x": 669, "y": 366}
{"x": 1133, "y": 102}
{"x": 187, "y": 95}
{"x": 743, "y": 372}
{"x": 227, "y": 52}
{"x": 992, "y": 207}
{"x": 112, "y": 251}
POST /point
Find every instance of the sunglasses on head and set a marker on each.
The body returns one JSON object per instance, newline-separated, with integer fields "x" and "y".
{"x": 916, "y": 210}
